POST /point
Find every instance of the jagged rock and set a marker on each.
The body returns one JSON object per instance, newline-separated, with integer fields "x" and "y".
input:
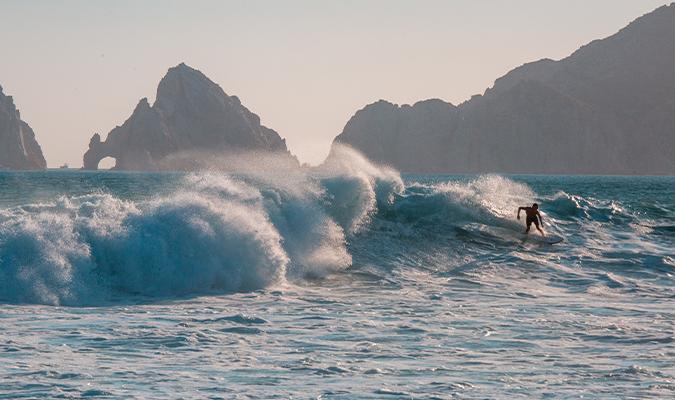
{"x": 390, "y": 134}
{"x": 607, "y": 108}
{"x": 18, "y": 147}
{"x": 191, "y": 115}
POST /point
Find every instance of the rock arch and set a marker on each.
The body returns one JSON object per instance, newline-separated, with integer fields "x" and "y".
{"x": 97, "y": 151}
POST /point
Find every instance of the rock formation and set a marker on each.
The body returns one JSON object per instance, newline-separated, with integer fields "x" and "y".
{"x": 192, "y": 116}
{"x": 18, "y": 147}
{"x": 607, "y": 108}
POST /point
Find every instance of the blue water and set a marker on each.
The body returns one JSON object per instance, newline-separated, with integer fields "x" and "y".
{"x": 348, "y": 281}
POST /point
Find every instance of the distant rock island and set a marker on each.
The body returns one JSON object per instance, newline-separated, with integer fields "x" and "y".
{"x": 191, "y": 116}
{"x": 609, "y": 108}
{"x": 18, "y": 147}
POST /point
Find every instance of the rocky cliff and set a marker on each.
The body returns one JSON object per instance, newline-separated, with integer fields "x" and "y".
{"x": 18, "y": 147}
{"x": 607, "y": 108}
{"x": 191, "y": 116}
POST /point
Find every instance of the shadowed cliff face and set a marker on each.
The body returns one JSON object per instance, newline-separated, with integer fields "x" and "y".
{"x": 191, "y": 114}
{"x": 18, "y": 147}
{"x": 607, "y": 108}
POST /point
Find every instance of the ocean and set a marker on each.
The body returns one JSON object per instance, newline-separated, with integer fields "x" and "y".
{"x": 350, "y": 281}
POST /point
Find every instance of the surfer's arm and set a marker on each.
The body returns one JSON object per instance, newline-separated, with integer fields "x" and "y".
{"x": 541, "y": 220}
{"x": 519, "y": 209}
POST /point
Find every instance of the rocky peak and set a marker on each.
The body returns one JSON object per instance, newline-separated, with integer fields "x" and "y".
{"x": 18, "y": 147}
{"x": 191, "y": 114}
{"x": 607, "y": 108}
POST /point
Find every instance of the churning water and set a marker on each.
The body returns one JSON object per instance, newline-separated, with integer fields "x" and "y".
{"x": 341, "y": 282}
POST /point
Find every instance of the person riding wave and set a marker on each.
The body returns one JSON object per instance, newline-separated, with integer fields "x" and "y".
{"x": 532, "y": 215}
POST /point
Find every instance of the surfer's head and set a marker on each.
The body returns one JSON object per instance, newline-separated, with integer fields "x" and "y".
{"x": 535, "y": 206}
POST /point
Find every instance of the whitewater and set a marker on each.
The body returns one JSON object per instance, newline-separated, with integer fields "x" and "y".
{"x": 343, "y": 281}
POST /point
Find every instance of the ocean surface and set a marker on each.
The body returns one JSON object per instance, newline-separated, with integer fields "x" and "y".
{"x": 342, "y": 282}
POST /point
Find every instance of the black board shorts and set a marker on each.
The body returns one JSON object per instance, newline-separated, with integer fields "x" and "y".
{"x": 530, "y": 220}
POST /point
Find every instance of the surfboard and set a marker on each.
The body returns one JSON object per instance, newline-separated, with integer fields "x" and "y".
{"x": 548, "y": 239}
{"x": 553, "y": 239}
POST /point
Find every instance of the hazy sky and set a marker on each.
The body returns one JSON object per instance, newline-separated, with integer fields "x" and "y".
{"x": 305, "y": 66}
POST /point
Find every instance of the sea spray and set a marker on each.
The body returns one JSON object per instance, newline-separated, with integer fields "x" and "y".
{"x": 94, "y": 245}
{"x": 215, "y": 233}
{"x": 356, "y": 187}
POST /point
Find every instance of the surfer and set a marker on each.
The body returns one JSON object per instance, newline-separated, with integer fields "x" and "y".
{"x": 532, "y": 214}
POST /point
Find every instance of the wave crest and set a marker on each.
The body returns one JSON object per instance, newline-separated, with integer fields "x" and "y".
{"x": 216, "y": 234}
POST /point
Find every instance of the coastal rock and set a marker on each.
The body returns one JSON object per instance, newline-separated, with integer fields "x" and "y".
{"x": 607, "y": 108}
{"x": 191, "y": 116}
{"x": 18, "y": 147}
{"x": 390, "y": 134}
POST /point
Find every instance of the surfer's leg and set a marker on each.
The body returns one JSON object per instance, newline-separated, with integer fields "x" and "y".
{"x": 529, "y": 223}
{"x": 538, "y": 228}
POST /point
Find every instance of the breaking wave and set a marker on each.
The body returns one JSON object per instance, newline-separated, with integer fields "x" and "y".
{"x": 217, "y": 233}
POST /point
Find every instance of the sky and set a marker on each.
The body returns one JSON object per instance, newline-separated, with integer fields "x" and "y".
{"x": 76, "y": 67}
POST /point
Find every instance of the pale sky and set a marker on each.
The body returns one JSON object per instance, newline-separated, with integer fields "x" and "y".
{"x": 76, "y": 67}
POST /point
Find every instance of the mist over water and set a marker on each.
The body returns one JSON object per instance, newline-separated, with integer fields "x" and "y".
{"x": 341, "y": 281}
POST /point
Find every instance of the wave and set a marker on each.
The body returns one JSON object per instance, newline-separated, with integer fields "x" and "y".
{"x": 569, "y": 206}
{"x": 489, "y": 199}
{"x": 215, "y": 234}
{"x": 221, "y": 233}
